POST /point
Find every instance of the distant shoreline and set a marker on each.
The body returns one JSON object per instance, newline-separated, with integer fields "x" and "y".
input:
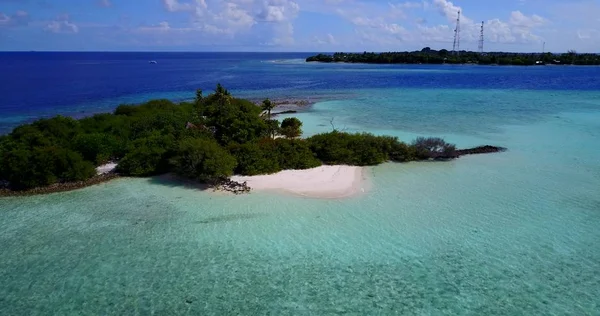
{"x": 435, "y": 57}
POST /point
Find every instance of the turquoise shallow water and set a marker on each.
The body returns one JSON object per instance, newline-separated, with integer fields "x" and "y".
{"x": 505, "y": 234}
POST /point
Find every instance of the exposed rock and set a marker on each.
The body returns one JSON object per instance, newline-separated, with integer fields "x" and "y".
{"x": 234, "y": 187}
{"x": 487, "y": 149}
{"x": 284, "y": 112}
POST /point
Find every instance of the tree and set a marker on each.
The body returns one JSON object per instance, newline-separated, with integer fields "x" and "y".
{"x": 255, "y": 158}
{"x": 203, "y": 159}
{"x": 223, "y": 97}
{"x": 233, "y": 121}
{"x": 147, "y": 156}
{"x": 291, "y": 127}
{"x": 273, "y": 128}
{"x": 96, "y": 147}
{"x": 434, "y": 148}
{"x": 293, "y": 154}
{"x": 199, "y": 96}
{"x": 268, "y": 106}
{"x": 69, "y": 166}
{"x": 27, "y": 169}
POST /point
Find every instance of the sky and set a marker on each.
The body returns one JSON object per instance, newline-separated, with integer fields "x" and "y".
{"x": 297, "y": 25}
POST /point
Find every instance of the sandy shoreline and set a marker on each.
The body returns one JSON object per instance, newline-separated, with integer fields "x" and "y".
{"x": 329, "y": 182}
{"x": 106, "y": 168}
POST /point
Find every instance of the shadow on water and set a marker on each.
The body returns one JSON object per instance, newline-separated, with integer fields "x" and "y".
{"x": 174, "y": 181}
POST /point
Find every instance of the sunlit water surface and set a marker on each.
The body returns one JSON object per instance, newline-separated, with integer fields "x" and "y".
{"x": 514, "y": 233}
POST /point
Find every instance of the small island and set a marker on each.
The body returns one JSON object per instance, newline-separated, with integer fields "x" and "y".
{"x": 207, "y": 141}
{"x": 443, "y": 56}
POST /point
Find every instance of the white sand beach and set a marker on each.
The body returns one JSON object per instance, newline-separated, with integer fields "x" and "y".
{"x": 109, "y": 167}
{"x": 321, "y": 182}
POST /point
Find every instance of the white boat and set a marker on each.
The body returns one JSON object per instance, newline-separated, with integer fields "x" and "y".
{"x": 153, "y": 62}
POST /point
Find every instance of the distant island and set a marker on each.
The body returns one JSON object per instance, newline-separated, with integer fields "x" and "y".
{"x": 207, "y": 141}
{"x": 430, "y": 56}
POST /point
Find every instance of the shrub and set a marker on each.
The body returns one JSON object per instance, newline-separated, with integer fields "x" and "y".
{"x": 357, "y": 149}
{"x": 253, "y": 159}
{"x": 433, "y": 148}
{"x": 26, "y": 169}
{"x": 293, "y": 154}
{"x": 291, "y": 127}
{"x": 202, "y": 159}
{"x": 147, "y": 156}
{"x": 97, "y": 147}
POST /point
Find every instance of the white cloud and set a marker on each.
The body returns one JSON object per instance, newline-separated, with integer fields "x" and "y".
{"x": 520, "y": 20}
{"x": 175, "y": 5}
{"x": 233, "y": 17}
{"x": 279, "y": 11}
{"x": 104, "y": 3}
{"x": 20, "y": 18}
{"x": 283, "y": 35}
{"x": 378, "y": 26}
{"x": 450, "y": 11}
{"x": 62, "y": 24}
{"x": 327, "y": 40}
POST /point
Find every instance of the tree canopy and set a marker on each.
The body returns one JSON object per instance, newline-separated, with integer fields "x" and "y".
{"x": 208, "y": 139}
{"x": 430, "y": 56}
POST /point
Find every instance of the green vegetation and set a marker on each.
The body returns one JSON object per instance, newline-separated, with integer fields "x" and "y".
{"x": 203, "y": 160}
{"x": 291, "y": 127}
{"x": 429, "y": 56}
{"x": 359, "y": 149}
{"x": 207, "y": 140}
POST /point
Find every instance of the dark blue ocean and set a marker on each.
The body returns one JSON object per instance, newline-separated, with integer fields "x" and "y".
{"x": 36, "y": 84}
{"x": 513, "y": 233}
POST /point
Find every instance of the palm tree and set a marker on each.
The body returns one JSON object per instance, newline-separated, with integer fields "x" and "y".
{"x": 223, "y": 97}
{"x": 268, "y": 106}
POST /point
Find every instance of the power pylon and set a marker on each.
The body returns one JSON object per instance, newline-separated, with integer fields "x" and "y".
{"x": 481, "y": 39}
{"x": 456, "y": 45}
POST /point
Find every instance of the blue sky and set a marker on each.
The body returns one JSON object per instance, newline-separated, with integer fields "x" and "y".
{"x": 296, "y": 25}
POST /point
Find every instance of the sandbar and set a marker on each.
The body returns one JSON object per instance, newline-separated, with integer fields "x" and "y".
{"x": 328, "y": 182}
{"x": 106, "y": 168}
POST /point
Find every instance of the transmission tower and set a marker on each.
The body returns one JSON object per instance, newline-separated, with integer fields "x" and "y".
{"x": 481, "y": 39}
{"x": 456, "y": 45}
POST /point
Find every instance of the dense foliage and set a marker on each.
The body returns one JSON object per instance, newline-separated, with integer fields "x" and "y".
{"x": 359, "y": 149}
{"x": 291, "y": 127}
{"x": 62, "y": 149}
{"x": 207, "y": 140}
{"x": 203, "y": 159}
{"x": 429, "y": 56}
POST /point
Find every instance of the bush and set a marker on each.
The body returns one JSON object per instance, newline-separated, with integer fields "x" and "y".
{"x": 147, "y": 156}
{"x": 59, "y": 128}
{"x": 98, "y": 148}
{"x": 26, "y": 169}
{"x": 70, "y": 166}
{"x": 294, "y": 154}
{"x": 291, "y": 127}
{"x": 18, "y": 168}
{"x": 357, "y": 149}
{"x": 269, "y": 156}
{"x": 254, "y": 158}
{"x": 202, "y": 159}
{"x": 433, "y": 148}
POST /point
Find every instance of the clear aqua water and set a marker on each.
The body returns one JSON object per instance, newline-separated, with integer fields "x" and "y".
{"x": 514, "y": 233}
